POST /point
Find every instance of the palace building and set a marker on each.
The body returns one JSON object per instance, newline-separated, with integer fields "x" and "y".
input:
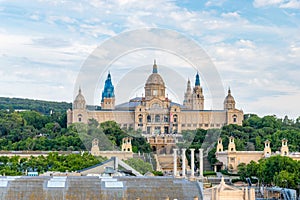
{"x": 155, "y": 113}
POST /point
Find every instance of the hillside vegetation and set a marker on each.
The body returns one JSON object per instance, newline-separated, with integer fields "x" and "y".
{"x": 31, "y": 131}
{"x": 43, "y": 107}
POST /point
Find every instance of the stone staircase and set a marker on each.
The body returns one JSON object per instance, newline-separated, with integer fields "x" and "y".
{"x": 147, "y": 157}
{"x": 206, "y": 164}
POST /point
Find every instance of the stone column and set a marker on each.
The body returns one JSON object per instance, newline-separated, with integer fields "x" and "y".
{"x": 175, "y": 162}
{"x": 192, "y": 162}
{"x": 116, "y": 164}
{"x": 201, "y": 163}
{"x": 183, "y": 162}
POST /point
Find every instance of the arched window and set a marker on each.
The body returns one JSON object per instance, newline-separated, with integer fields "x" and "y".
{"x": 155, "y": 106}
{"x": 148, "y": 118}
{"x": 140, "y": 118}
{"x": 157, "y": 118}
{"x": 175, "y": 118}
{"x": 79, "y": 117}
{"x": 234, "y": 118}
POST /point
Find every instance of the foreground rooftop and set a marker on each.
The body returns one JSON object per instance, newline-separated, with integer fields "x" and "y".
{"x": 90, "y": 187}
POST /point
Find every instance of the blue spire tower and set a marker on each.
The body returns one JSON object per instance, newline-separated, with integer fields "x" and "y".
{"x": 197, "y": 96}
{"x": 197, "y": 81}
{"x": 108, "y": 94}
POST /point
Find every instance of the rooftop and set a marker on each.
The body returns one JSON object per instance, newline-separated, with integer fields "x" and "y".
{"x": 93, "y": 187}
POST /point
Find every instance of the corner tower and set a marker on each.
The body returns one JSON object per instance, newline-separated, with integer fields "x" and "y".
{"x": 108, "y": 95}
{"x": 155, "y": 86}
{"x": 79, "y": 102}
{"x": 197, "y": 96}
{"x": 229, "y": 102}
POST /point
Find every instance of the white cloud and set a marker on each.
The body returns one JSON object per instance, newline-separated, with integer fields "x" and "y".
{"x": 231, "y": 15}
{"x": 262, "y": 3}
{"x": 293, "y": 4}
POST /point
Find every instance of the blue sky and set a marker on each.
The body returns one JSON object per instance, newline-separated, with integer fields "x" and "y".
{"x": 255, "y": 45}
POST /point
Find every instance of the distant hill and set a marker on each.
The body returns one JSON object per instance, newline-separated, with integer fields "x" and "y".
{"x": 43, "y": 107}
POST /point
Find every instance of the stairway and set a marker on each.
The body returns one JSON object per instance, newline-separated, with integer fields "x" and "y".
{"x": 206, "y": 164}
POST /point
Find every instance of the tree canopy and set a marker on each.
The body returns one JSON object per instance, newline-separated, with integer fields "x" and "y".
{"x": 53, "y": 162}
{"x": 276, "y": 170}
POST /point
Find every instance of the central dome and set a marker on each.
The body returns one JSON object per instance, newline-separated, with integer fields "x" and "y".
{"x": 155, "y": 78}
{"x": 155, "y": 86}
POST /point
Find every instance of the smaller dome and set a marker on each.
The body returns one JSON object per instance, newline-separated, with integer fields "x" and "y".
{"x": 79, "y": 97}
{"x": 229, "y": 98}
{"x": 79, "y": 102}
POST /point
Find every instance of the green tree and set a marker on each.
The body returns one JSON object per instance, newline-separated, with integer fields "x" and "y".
{"x": 139, "y": 165}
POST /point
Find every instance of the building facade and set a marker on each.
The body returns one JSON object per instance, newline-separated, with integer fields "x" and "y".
{"x": 231, "y": 158}
{"x": 155, "y": 113}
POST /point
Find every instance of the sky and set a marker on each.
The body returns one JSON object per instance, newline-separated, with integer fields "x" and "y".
{"x": 254, "y": 46}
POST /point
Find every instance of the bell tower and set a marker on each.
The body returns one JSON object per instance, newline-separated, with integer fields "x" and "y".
{"x": 197, "y": 96}
{"x": 267, "y": 149}
{"x": 126, "y": 144}
{"x": 187, "y": 102}
{"x": 108, "y": 95}
{"x": 284, "y": 147}
{"x": 220, "y": 145}
{"x": 231, "y": 145}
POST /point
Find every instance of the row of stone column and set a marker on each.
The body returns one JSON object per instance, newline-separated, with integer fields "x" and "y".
{"x": 192, "y": 162}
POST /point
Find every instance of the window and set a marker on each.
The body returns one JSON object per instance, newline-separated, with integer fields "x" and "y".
{"x": 157, "y": 118}
{"x": 148, "y": 129}
{"x": 157, "y": 130}
{"x": 234, "y": 118}
{"x": 79, "y": 117}
{"x": 148, "y": 118}
{"x": 140, "y": 118}
{"x": 166, "y": 119}
{"x": 155, "y": 106}
{"x": 175, "y": 118}
{"x": 166, "y": 129}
